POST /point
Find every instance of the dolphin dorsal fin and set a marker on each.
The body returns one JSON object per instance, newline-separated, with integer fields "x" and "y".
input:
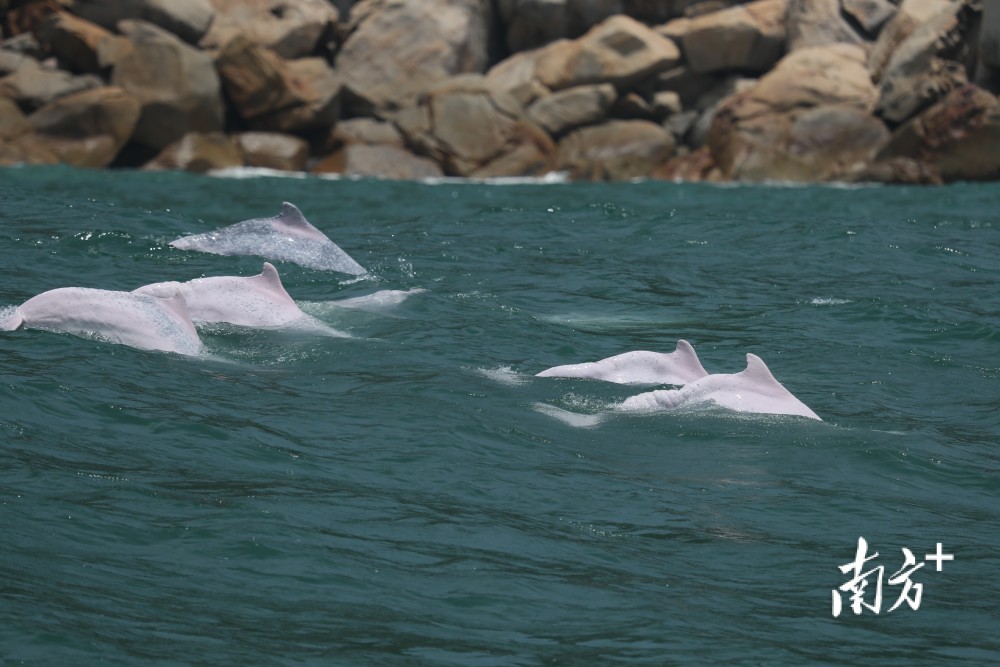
{"x": 292, "y": 216}
{"x": 758, "y": 371}
{"x": 271, "y": 281}
{"x": 176, "y": 304}
{"x": 689, "y": 358}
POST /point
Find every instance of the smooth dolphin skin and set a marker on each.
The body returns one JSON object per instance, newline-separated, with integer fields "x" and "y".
{"x": 286, "y": 237}
{"x": 137, "y": 320}
{"x": 755, "y": 390}
{"x": 640, "y": 367}
{"x": 254, "y": 301}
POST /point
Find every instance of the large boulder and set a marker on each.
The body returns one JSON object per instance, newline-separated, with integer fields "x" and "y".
{"x": 12, "y": 121}
{"x": 818, "y": 23}
{"x": 620, "y": 51}
{"x": 615, "y": 151}
{"x": 572, "y": 107}
{"x": 529, "y": 24}
{"x": 908, "y": 17}
{"x": 32, "y": 85}
{"x": 89, "y": 128}
{"x": 398, "y": 48}
{"x": 378, "y": 161}
{"x": 273, "y": 94}
{"x": 79, "y": 45}
{"x": 291, "y": 29}
{"x": 466, "y": 124}
{"x": 934, "y": 59}
{"x": 272, "y": 150}
{"x": 188, "y": 19}
{"x": 958, "y": 137}
{"x": 198, "y": 152}
{"x": 176, "y": 84}
{"x": 749, "y": 38}
{"x": 808, "y": 119}
{"x": 989, "y": 46}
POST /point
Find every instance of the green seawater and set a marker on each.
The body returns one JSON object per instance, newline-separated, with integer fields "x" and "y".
{"x": 400, "y": 497}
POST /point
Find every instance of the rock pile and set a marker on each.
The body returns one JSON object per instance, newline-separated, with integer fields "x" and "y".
{"x": 790, "y": 90}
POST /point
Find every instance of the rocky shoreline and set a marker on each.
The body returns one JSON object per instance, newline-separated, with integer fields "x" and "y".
{"x": 718, "y": 90}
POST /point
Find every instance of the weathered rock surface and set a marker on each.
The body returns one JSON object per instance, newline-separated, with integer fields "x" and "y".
{"x": 176, "y": 84}
{"x": 89, "y": 128}
{"x": 399, "y": 47}
{"x": 572, "y": 107}
{"x": 290, "y": 29}
{"x": 818, "y": 23}
{"x": 81, "y": 46}
{"x": 378, "y": 160}
{"x": 958, "y": 137}
{"x": 932, "y": 60}
{"x": 187, "y": 19}
{"x": 620, "y": 51}
{"x": 272, "y": 150}
{"x": 749, "y": 38}
{"x": 465, "y": 124}
{"x": 910, "y": 15}
{"x": 198, "y": 152}
{"x": 32, "y": 85}
{"x": 616, "y": 150}
{"x": 808, "y": 119}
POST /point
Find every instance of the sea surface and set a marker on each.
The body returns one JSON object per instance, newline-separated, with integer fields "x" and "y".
{"x": 413, "y": 495}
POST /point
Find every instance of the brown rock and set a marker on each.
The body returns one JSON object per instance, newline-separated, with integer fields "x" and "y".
{"x": 378, "y": 161}
{"x": 187, "y": 19}
{"x": 176, "y": 84}
{"x": 517, "y": 75}
{"x": 527, "y": 159}
{"x": 89, "y": 128}
{"x": 931, "y": 61}
{"x": 26, "y": 149}
{"x": 808, "y": 119}
{"x": 572, "y": 107}
{"x": 272, "y": 150}
{"x": 617, "y": 150}
{"x": 33, "y": 85}
{"x": 198, "y": 152}
{"x": 620, "y": 51}
{"x": 747, "y": 37}
{"x": 81, "y": 46}
{"x": 695, "y": 166}
{"x": 813, "y": 23}
{"x": 909, "y": 15}
{"x": 290, "y": 29}
{"x": 871, "y": 15}
{"x": 464, "y": 123}
{"x": 319, "y": 89}
{"x": 898, "y": 171}
{"x": 12, "y": 121}
{"x": 958, "y": 137}
{"x": 366, "y": 131}
{"x": 400, "y": 47}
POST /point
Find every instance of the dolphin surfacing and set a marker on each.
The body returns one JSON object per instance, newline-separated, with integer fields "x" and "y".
{"x": 259, "y": 301}
{"x": 640, "y": 367}
{"x": 754, "y": 390}
{"x": 138, "y": 320}
{"x": 287, "y": 237}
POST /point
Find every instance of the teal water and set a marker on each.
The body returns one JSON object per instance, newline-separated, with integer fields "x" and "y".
{"x": 398, "y": 498}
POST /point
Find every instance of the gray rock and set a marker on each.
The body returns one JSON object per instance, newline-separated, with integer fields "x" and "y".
{"x": 176, "y": 84}
{"x": 615, "y": 151}
{"x": 400, "y": 47}
{"x": 188, "y": 19}
{"x": 570, "y": 108}
{"x": 32, "y": 85}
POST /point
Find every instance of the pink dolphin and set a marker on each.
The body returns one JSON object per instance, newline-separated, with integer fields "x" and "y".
{"x": 640, "y": 367}
{"x": 252, "y": 301}
{"x": 755, "y": 390}
{"x": 138, "y": 320}
{"x": 287, "y": 236}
